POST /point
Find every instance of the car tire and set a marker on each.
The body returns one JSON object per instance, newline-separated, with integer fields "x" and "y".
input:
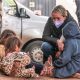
{"x": 35, "y": 52}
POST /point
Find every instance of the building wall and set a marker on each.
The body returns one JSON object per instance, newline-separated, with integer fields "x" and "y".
{"x": 45, "y": 6}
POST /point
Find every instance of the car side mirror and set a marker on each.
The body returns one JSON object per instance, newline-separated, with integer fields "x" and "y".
{"x": 22, "y": 12}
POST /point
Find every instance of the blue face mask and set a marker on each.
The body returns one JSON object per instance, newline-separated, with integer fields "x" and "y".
{"x": 58, "y": 23}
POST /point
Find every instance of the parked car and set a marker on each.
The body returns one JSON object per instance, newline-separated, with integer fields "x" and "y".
{"x": 28, "y": 26}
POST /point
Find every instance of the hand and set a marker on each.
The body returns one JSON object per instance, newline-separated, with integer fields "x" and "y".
{"x": 48, "y": 67}
{"x": 50, "y": 71}
{"x": 58, "y": 54}
{"x": 47, "y": 71}
{"x": 60, "y": 45}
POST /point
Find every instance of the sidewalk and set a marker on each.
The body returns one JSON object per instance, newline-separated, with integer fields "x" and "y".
{"x": 3, "y": 77}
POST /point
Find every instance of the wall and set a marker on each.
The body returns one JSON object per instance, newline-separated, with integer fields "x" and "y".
{"x": 45, "y": 6}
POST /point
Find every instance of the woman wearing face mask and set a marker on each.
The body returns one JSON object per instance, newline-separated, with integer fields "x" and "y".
{"x": 62, "y": 41}
{"x": 53, "y": 31}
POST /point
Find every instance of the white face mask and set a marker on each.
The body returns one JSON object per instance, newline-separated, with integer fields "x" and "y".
{"x": 58, "y": 23}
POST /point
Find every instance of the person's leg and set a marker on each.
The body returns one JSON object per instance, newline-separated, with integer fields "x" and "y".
{"x": 48, "y": 49}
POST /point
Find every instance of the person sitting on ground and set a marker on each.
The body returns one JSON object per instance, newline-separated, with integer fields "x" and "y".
{"x": 13, "y": 64}
{"x": 3, "y": 37}
{"x": 62, "y": 32}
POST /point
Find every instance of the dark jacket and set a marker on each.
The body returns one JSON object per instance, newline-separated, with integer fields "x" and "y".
{"x": 51, "y": 33}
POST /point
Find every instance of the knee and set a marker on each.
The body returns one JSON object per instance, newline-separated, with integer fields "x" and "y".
{"x": 46, "y": 47}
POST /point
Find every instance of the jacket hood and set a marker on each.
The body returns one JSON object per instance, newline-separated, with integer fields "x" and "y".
{"x": 71, "y": 30}
{"x": 69, "y": 18}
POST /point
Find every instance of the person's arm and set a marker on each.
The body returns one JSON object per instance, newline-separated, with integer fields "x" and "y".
{"x": 48, "y": 30}
{"x": 65, "y": 56}
{"x": 7, "y": 64}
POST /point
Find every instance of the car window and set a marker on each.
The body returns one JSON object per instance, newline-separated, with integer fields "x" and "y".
{"x": 9, "y": 7}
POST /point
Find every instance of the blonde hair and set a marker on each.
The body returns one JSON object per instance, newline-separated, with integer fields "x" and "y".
{"x": 61, "y": 10}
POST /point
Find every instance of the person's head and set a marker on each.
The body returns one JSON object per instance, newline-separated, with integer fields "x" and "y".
{"x": 12, "y": 44}
{"x": 6, "y": 34}
{"x": 59, "y": 14}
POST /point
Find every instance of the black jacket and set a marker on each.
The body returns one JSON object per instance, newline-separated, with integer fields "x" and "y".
{"x": 51, "y": 33}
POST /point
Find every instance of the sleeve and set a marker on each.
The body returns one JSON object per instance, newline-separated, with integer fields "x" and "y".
{"x": 26, "y": 60}
{"x": 48, "y": 32}
{"x": 7, "y": 63}
{"x": 65, "y": 56}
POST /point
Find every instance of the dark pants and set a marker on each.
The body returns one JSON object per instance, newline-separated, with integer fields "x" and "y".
{"x": 48, "y": 50}
{"x": 38, "y": 67}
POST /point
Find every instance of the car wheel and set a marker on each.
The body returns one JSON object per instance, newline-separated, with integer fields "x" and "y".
{"x": 35, "y": 52}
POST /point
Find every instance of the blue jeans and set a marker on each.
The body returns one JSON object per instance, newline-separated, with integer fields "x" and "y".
{"x": 48, "y": 50}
